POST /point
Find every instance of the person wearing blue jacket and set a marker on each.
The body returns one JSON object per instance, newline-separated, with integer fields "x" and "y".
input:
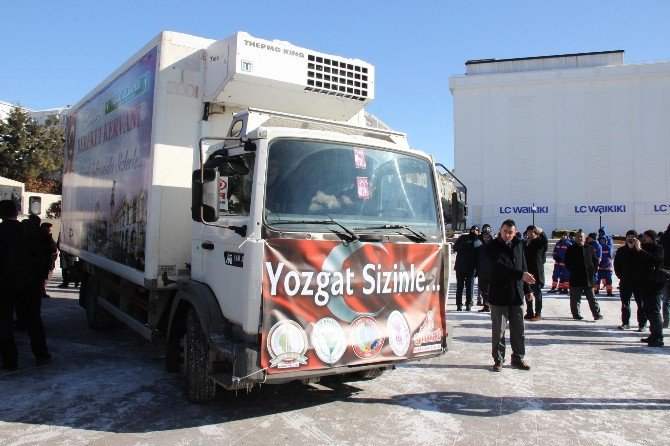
{"x": 605, "y": 267}
{"x": 560, "y": 279}
{"x": 602, "y": 232}
{"x": 592, "y": 239}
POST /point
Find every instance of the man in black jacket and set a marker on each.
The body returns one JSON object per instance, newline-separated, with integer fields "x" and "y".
{"x": 649, "y": 256}
{"x": 624, "y": 270}
{"x": 33, "y": 270}
{"x": 582, "y": 262}
{"x": 665, "y": 243}
{"x": 484, "y": 270}
{"x": 535, "y": 251}
{"x": 465, "y": 266}
{"x": 509, "y": 285}
{"x": 10, "y": 239}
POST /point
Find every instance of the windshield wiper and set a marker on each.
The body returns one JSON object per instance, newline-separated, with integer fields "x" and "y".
{"x": 418, "y": 234}
{"x": 351, "y": 233}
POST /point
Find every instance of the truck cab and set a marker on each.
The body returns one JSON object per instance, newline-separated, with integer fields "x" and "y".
{"x": 322, "y": 242}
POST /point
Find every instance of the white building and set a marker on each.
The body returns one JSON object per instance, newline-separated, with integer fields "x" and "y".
{"x": 5, "y": 108}
{"x": 16, "y": 191}
{"x": 41, "y": 116}
{"x": 580, "y": 136}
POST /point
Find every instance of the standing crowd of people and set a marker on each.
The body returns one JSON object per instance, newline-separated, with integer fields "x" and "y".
{"x": 510, "y": 271}
{"x": 25, "y": 261}
{"x": 28, "y": 254}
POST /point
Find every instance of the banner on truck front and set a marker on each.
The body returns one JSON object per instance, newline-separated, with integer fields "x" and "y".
{"x": 333, "y": 304}
{"x": 106, "y": 171}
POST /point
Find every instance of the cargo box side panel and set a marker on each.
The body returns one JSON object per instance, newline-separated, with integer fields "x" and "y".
{"x": 178, "y": 112}
{"x": 106, "y": 173}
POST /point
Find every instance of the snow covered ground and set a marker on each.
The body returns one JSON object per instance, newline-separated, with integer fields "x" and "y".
{"x": 590, "y": 384}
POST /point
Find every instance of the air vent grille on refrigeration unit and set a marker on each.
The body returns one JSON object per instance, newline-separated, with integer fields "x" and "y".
{"x": 336, "y": 78}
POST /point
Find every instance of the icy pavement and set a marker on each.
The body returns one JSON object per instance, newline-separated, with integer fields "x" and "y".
{"x": 591, "y": 384}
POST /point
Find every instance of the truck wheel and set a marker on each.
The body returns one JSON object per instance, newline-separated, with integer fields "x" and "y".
{"x": 97, "y": 317}
{"x": 199, "y": 386}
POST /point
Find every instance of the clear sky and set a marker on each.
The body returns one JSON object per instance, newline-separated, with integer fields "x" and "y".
{"x": 53, "y": 53}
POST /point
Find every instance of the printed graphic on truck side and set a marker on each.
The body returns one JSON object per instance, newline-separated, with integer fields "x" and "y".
{"x": 106, "y": 167}
{"x": 330, "y": 304}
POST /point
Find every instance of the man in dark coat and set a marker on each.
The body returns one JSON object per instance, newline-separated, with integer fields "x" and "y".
{"x": 649, "y": 256}
{"x": 486, "y": 229}
{"x": 10, "y": 244}
{"x": 664, "y": 241}
{"x": 624, "y": 270}
{"x": 484, "y": 270}
{"x": 535, "y": 251}
{"x": 33, "y": 265}
{"x": 465, "y": 266}
{"x": 486, "y": 232}
{"x": 507, "y": 290}
{"x": 54, "y": 253}
{"x": 67, "y": 263}
{"x": 582, "y": 262}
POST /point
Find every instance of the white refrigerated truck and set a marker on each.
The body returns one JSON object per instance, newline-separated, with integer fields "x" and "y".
{"x": 233, "y": 201}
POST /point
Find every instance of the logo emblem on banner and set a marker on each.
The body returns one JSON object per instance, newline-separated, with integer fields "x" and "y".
{"x": 366, "y": 337}
{"x": 329, "y": 340}
{"x": 428, "y": 338}
{"x": 287, "y": 345}
{"x": 398, "y": 332}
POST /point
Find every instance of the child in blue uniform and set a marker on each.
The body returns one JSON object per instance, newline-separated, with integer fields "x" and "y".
{"x": 560, "y": 279}
{"x": 605, "y": 268}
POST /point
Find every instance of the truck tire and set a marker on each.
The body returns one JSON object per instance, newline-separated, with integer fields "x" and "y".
{"x": 199, "y": 386}
{"x": 97, "y": 317}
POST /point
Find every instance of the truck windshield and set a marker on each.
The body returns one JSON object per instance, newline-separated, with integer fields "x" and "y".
{"x": 361, "y": 187}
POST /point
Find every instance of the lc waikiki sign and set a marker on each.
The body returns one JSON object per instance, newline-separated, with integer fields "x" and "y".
{"x": 600, "y": 209}
{"x": 658, "y": 208}
{"x": 504, "y": 210}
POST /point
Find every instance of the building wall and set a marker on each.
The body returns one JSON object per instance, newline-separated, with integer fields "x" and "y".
{"x": 575, "y": 142}
{"x": 54, "y": 115}
{"x": 15, "y": 190}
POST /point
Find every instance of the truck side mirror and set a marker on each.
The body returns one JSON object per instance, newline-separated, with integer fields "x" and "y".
{"x": 205, "y": 196}
{"x": 35, "y": 205}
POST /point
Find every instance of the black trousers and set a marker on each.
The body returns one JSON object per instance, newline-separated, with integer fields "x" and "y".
{"x": 30, "y": 306}
{"x": 625, "y": 294}
{"x": 466, "y": 279}
{"x": 65, "y": 272}
{"x": 576, "y": 300}
{"x": 653, "y": 302}
{"x": 8, "y": 351}
{"x": 500, "y": 317}
{"x": 483, "y": 282}
{"x": 534, "y": 307}
{"x": 666, "y": 305}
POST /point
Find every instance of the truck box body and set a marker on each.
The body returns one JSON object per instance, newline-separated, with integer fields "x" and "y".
{"x": 129, "y": 157}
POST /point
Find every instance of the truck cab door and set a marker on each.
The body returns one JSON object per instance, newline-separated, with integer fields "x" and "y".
{"x": 226, "y": 254}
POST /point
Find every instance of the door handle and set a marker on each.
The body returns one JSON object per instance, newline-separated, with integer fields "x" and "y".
{"x": 207, "y": 245}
